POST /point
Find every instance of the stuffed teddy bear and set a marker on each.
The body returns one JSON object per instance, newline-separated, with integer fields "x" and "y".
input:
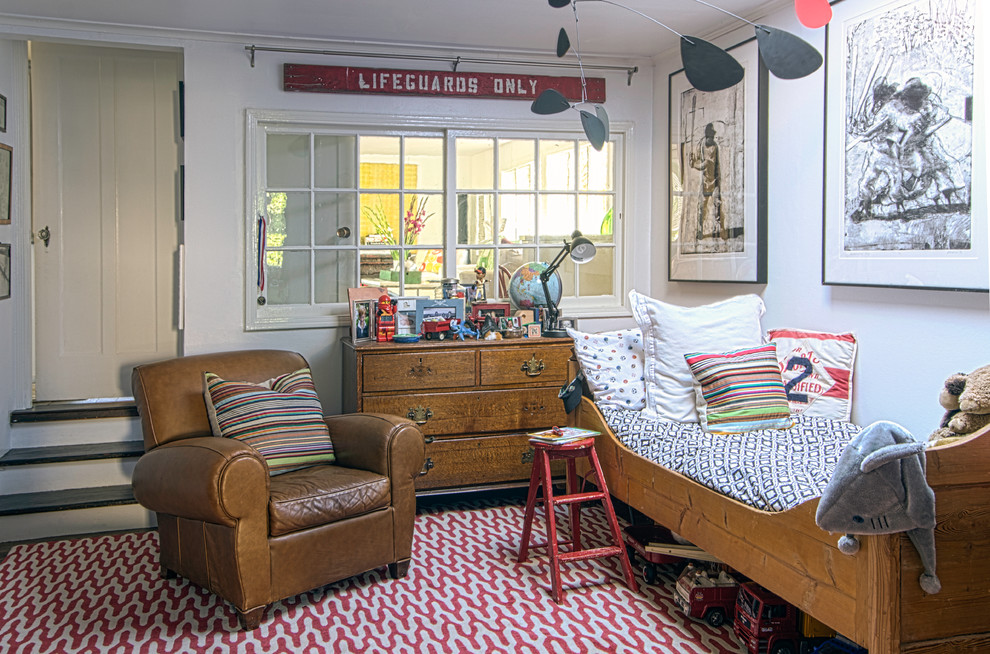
{"x": 966, "y": 400}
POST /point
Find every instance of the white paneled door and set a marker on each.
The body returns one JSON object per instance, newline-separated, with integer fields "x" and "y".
{"x": 106, "y": 149}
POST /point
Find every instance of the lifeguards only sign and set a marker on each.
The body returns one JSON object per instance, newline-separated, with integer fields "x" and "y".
{"x": 345, "y": 79}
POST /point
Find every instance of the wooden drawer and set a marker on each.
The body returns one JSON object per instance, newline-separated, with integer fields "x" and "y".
{"x": 479, "y": 460}
{"x": 545, "y": 365}
{"x": 478, "y": 411}
{"x": 418, "y": 370}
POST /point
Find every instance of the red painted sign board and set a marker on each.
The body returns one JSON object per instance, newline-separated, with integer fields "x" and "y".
{"x": 506, "y": 86}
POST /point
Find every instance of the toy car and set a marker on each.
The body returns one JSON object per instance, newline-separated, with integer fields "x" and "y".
{"x": 435, "y": 329}
{"x": 707, "y": 593}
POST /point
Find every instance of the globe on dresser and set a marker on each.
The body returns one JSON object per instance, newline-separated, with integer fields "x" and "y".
{"x": 526, "y": 290}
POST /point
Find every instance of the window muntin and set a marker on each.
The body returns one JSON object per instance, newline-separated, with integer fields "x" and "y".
{"x": 328, "y": 194}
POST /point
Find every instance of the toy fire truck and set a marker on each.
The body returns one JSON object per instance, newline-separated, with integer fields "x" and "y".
{"x": 707, "y": 593}
{"x": 767, "y": 624}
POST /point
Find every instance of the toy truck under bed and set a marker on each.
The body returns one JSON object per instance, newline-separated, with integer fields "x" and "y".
{"x": 656, "y": 545}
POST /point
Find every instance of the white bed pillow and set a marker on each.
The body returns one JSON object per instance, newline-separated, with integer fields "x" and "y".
{"x": 612, "y": 363}
{"x": 671, "y": 331}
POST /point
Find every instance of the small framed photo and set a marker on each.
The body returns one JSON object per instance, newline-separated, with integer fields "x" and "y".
{"x": 405, "y": 315}
{"x": 6, "y": 166}
{"x": 533, "y": 330}
{"x": 429, "y": 308}
{"x": 363, "y": 320}
{"x": 495, "y": 309}
{"x": 3, "y": 113}
{"x": 567, "y": 323}
{"x": 363, "y": 293}
{"x": 503, "y": 323}
{"x": 4, "y": 271}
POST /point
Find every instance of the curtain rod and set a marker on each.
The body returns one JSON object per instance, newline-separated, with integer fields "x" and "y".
{"x": 454, "y": 61}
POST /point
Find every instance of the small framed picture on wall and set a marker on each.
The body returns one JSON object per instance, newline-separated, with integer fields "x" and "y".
{"x": 4, "y": 271}
{"x": 3, "y": 113}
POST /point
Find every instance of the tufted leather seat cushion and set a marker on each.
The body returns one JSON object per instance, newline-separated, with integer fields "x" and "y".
{"x": 324, "y": 494}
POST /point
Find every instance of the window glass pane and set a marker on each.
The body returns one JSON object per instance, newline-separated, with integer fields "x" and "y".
{"x": 557, "y": 219}
{"x": 334, "y": 161}
{"x": 595, "y": 276}
{"x": 595, "y": 168}
{"x": 376, "y": 262}
{"x": 380, "y": 218}
{"x": 595, "y": 217}
{"x": 468, "y": 261}
{"x": 380, "y": 163}
{"x": 287, "y": 161}
{"x": 425, "y": 157}
{"x": 288, "y": 277}
{"x": 423, "y": 219}
{"x": 475, "y": 218}
{"x": 557, "y": 165}
{"x": 335, "y": 273}
{"x": 516, "y": 165}
{"x": 424, "y": 269}
{"x": 475, "y": 163}
{"x": 517, "y": 218}
{"x": 288, "y": 219}
{"x": 335, "y": 218}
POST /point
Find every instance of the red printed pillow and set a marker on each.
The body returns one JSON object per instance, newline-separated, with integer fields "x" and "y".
{"x": 817, "y": 369}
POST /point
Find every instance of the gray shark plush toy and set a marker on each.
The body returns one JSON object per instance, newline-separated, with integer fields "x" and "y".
{"x": 879, "y": 487}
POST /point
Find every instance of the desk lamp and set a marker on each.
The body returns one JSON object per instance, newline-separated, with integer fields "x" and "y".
{"x": 581, "y": 250}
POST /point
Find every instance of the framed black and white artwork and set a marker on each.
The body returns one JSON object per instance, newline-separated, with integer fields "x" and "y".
{"x": 900, "y": 204}
{"x": 717, "y": 184}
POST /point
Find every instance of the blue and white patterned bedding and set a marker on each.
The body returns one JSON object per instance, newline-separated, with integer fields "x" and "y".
{"x": 771, "y": 470}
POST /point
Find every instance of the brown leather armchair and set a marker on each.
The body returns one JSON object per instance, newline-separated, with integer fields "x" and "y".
{"x": 225, "y": 524}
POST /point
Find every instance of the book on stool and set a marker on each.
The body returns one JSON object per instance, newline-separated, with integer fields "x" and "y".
{"x": 561, "y": 435}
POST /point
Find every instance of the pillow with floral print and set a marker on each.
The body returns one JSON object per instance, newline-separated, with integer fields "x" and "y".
{"x": 612, "y": 363}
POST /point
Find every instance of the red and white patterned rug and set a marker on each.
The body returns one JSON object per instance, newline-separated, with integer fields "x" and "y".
{"x": 464, "y": 593}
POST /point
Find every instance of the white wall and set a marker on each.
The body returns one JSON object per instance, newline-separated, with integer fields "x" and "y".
{"x": 14, "y": 361}
{"x": 909, "y": 340}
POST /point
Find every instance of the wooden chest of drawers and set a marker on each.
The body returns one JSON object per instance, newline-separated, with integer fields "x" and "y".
{"x": 475, "y": 401}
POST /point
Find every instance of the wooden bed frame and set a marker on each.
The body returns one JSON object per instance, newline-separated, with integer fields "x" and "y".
{"x": 871, "y": 597}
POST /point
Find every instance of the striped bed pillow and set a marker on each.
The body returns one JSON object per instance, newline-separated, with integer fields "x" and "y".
{"x": 281, "y": 418}
{"x": 740, "y": 391}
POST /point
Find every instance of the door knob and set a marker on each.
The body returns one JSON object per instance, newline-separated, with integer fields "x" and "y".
{"x": 45, "y": 235}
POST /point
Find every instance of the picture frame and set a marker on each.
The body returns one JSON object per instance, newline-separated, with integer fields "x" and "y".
{"x": 899, "y": 210}
{"x": 363, "y": 321}
{"x": 427, "y": 308}
{"x": 717, "y": 188}
{"x": 405, "y": 315}
{"x": 496, "y": 309}
{"x": 6, "y": 176}
{"x": 5, "y": 271}
{"x": 3, "y": 113}
{"x": 363, "y": 293}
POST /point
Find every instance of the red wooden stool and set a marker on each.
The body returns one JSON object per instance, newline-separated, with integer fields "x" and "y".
{"x": 544, "y": 454}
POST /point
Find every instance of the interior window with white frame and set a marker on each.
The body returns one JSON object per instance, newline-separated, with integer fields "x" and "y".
{"x": 337, "y": 207}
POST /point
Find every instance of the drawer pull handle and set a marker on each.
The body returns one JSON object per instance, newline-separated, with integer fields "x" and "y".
{"x": 534, "y": 408}
{"x": 528, "y": 455}
{"x": 420, "y": 370}
{"x": 427, "y": 466}
{"x": 429, "y": 439}
{"x": 420, "y": 414}
{"x": 533, "y": 367}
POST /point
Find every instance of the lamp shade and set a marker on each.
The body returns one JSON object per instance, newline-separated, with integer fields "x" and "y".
{"x": 582, "y": 250}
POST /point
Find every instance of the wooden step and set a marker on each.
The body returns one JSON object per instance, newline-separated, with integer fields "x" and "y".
{"x": 63, "y": 500}
{"x": 24, "y": 456}
{"x": 53, "y": 411}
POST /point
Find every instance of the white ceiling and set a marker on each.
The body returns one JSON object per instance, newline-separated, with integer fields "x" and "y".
{"x": 513, "y": 26}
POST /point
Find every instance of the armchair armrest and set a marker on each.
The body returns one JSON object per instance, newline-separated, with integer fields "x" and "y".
{"x": 389, "y": 445}
{"x": 217, "y": 480}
